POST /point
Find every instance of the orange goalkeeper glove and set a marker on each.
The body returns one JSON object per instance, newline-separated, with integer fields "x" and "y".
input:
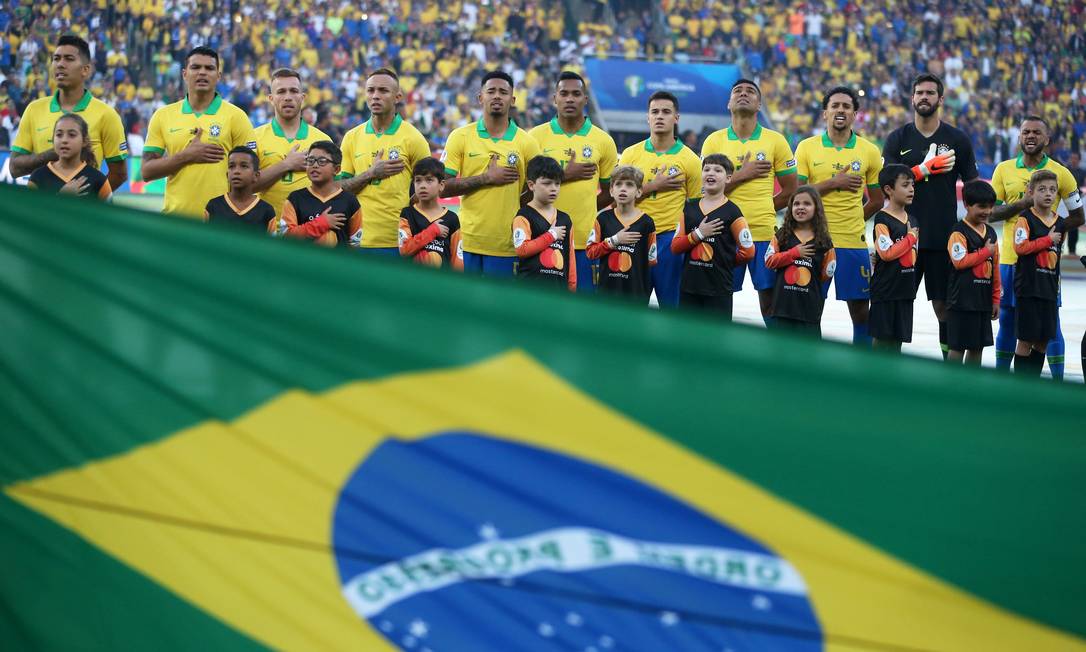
{"x": 934, "y": 164}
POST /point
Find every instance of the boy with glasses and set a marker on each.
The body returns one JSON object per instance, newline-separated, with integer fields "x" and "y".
{"x": 323, "y": 212}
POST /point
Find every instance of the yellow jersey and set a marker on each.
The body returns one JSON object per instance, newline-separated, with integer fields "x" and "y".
{"x": 104, "y": 125}
{"x": 818, "y": 159}
{"x": 1010, "y": 179}
{"x": 486, "y": 214}
{"x": 589, "y": 144}
{"x": 171, "y": 130}
{"x": 755, "y": 197}
{"x": 383, "y": 199}
{"x": 272, "y": 146}
{"x": 665, "y": 208}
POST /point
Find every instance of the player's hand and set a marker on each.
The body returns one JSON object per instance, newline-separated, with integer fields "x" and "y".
{"x": 995, "y": 311}
{"x": 335, "y": 220}
{"x": 749, "y": 169}
{"x": 915, "y": 232}
{"x": 77, "y": 187}
{"x": 295, "y": 160}
{"x": 576, "y": 171}
{"x": 710, "y": 227}
{"x": 384, "y": 168}
{"x": 1057, "y": 238}
{"x": 993, "y": 247}
{"x": 936, "y": 164}
{"x": 559, "y": 233}
{"x": 845, "y": 181}
{"x": 626, "y": 237}
{"x": 200, "y": 152}
{"x": 806, "y": 250}
{"x": 441, "y": 229}
{"x": 663, "y": 181}
{"x": 500, "y": 175}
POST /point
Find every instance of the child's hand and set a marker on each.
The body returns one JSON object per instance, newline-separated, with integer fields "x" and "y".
{"x": 914, "y": 232}
{"x": 807, "y": 250}
{"x": 995, "y": 311}
{"x": 559, "y": 233}
{"x": 1057, "y": 237}
{"x": 710, "y": 227}
{"x": 441, "y": 228}
{"x": 77, "y": 187}
{"x": 626, "y": 237}
{"x": 335, "y": 220}
{"x": 993, "y": 246}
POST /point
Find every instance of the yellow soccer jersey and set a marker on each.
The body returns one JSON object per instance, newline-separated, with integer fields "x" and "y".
{"x": 383, "y": 199}
{"x": 40, "y": 117}
{"x": 755, "y": 197}
{"x": 272, "y": 146}
{"x": 486, "y": 215}
{"x": 171, "y": 130}
{"x": 590, "y": 145}
{"x": 1010, "y": 180}
{"x": 665, "y": 208}
{"x": 817, "y": 160}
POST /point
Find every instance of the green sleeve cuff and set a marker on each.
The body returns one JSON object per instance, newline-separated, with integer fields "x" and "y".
{"x": 872, "y": 185}
{"x": 802, "y": 179}
{"x": 451, "y": 172}
{"x": 20, "y": 150}
{"x": 116, "y": 159}
{"x": 999, "y": 202}
{"x": 154, "y": 150}
{"x": 607, "y": 180}
{"x": 343, "y": 175}
{"x": 791, "y": 170}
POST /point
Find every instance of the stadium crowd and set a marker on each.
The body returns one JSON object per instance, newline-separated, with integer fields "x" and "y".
{"x": 1001, "y": 59}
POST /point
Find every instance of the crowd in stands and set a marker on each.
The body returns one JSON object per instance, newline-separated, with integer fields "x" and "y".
{"x": 1001, "y": 59}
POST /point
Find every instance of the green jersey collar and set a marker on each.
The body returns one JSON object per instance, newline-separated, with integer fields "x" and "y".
{"x": 391, "y": 128}
{"x": 303, "y": 131}
{"x": 1020, "y": 163}
{"x": 54, "y": 105}
{"x": 510, "y": 133}
{"x": 755, "y": 135}
{"x": 851, "y": 144}
{"x": 212, "y": 108}
{"x": 583, "y": 131}
{"x": 675, "y": 149}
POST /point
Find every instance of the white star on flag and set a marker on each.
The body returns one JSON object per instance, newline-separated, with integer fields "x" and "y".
{"x": 488, "y": 532}
{"x": 574, "y": 619}
{"x": 669, "y": 618}
{"x": 546, "y": 630}
{"x": 761, "y": 603}
{"x": 418, "y": 628}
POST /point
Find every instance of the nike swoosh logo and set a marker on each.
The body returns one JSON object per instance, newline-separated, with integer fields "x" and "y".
{"x": 471, "y": 154}
{"x": 41, "y": 128}
{"x": 815, "y": 164}
{"x": 176, "y": 129}
{"x": 268, "y": 153}
{"x": 549, "y": 149}
{"x": 904, "y": 152}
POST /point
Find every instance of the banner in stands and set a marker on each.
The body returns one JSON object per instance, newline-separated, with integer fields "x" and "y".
{"x": 622, "y": 89}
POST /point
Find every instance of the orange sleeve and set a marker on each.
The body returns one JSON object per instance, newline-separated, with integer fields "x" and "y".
{"x": 457, "y": 253}
{"x": 652, "y": 249}
{"x": 996, "y": 281}
{"x": 413, "y": 244}
{"x": 207, "y": 216}
{"x": 957, "y": 248}
{"x": 571, "y": 282}
{"x": 683, "y": 241}
{"x": 311, "y": 230}
{"x": 105, "y": 192}
{"x": 527, "y": 248}
{"x": 1023, "y": 246}
{"x": 596, "y": 250}
{"x": 742, "y": 253}
{"x": 354, "y": 228}
{"x": 897, "y": 249}
{"x": 778, "y": 260}
{"x": 829, "y": 265}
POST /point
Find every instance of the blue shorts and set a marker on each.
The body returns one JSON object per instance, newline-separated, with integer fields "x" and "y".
{"x": 382, "y": 251}
{"x": 586, "y": 273}
{"x": 1006, "y": 277}
{"x": 504, "y": 266}
{"x": 762, "y": 277}
{"x": 668, "y": 271}
{"x": 852, "y": 278}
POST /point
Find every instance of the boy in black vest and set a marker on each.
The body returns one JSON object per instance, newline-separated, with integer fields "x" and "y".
{"x": 542, "y": 234}
{"x": 973, "y": 289}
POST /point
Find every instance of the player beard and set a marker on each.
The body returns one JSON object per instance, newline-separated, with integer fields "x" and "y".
{"x": 927, "y": 111}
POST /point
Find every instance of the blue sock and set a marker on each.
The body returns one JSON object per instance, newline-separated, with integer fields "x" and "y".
{"x": 1056, "y": 352}
{"x": 861, "y": 336}
{"x": 1005, "y": 340}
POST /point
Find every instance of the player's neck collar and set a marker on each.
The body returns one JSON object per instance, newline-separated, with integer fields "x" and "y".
{"x": 1020, "y": 163}
{"x": 302, "y": 134}
{"x": 827, "y": 142}
{"x": 211, "y": 109}
{"x": 81, "y": 105}
{"x": 509, "y": 134}
{"x": 556, "y": 127}
{"x": 392, "y": 128}
{"x": 674, "y": 148}
{"x": 754, "y": 135}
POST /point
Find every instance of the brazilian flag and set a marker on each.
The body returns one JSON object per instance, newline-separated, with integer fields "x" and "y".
{"x": 217, "y": 441}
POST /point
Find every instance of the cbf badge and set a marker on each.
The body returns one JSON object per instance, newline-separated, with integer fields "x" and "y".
{"x": 215, "y": 131}
{"x": 393, "y": 154}
{"x": 476, "y": 540}
{"x": 586, "y": 153}
{"x": 512, "y": 158}
{"x": 855, "y": 166}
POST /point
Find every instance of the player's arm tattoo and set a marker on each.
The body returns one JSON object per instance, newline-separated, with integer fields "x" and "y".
{"x": 23, "y": 164}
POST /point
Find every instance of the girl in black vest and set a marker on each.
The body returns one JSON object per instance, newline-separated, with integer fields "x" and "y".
{"x": 802, "y": 253}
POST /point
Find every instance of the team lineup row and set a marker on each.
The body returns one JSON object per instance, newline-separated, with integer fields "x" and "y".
{"x": 486, "y": 163}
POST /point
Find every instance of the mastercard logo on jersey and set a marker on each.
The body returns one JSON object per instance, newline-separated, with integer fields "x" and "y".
{"x": 983, "y": 271}
{"x": 800, "y": 276}
{"x": 702, "y": 251}
{"x": 428, "y": 258}
{"x": 908, "y": 259}
{"x": 619, "y": 261}
{"x": 552, "y": 259}
{"x": 1047, "y": 259}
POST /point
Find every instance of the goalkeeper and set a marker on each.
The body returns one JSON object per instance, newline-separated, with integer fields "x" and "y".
{"x": 939, "y": 155}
